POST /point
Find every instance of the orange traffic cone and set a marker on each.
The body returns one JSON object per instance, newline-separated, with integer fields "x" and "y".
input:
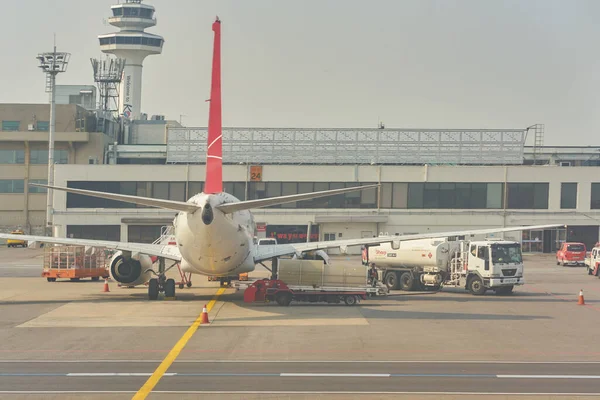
{"x": 204, "y": 316}
{"x": 106, "y": 286}
{"x": 581, "y": 301}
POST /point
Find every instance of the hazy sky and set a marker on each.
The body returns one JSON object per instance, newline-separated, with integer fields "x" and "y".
{"x": 341, "y": 63}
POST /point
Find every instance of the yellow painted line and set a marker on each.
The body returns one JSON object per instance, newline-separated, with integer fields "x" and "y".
{"x": 174, "y": 353}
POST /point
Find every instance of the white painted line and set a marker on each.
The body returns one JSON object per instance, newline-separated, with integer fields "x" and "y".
{"x": 301, "y": 362}
{"x": 294, "y": 374}
{"x": 88, "y": 374}
{"x": 549, "y": 376}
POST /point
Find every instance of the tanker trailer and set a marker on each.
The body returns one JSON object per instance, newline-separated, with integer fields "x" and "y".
{"x": 415, "y": 264}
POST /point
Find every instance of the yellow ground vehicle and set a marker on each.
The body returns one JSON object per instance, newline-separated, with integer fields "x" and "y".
{"x": 15, "y": 242}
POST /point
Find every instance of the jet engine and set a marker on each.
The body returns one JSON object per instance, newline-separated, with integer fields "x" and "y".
{"x": 130, "y": 269}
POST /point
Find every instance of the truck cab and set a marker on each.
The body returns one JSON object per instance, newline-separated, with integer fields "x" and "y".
{"x": 493, "y": 264}
{"x": 592, "y": 263}
{"x": 266, "y": 241}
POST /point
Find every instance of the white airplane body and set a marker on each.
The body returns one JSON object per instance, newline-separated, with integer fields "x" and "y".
{"x": 213, "y": 230}
{"x": 233, "y": 233}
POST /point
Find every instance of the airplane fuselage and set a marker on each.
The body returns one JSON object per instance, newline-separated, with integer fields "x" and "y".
{"x": 212, "y": 242}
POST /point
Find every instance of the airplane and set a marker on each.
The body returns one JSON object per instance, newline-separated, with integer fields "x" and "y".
{"x": 214, "y": 231}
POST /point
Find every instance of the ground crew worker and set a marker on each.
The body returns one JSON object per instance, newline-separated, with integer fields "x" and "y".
{"x": 374, "y": 275}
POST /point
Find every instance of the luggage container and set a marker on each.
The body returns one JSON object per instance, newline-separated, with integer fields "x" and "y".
{"x": 74, "y": 263}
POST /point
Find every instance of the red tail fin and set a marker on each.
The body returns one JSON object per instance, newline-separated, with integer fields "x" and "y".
{"x": 214, "y": 151}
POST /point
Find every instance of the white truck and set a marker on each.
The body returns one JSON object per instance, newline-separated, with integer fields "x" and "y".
{"x": 477, "y": 266}
{"x": 592, "y": 263}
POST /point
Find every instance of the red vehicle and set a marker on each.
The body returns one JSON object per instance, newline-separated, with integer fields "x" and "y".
{"x": 571, "y": 253}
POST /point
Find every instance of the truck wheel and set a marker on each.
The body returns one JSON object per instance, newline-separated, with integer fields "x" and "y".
{"x": 504, "y": 290}
{"x": 350, "y": 300}
{"x": 476, "y": 286}
{"x": 407, "y": 281}
{"x": 283, "y": 299}
{"x": 589, "y": 270}
{"x": 391, "y": 281}
{"x": 51, "y": 279}
{"x": 95, "y": 278}
{"x": 153, "y": 289}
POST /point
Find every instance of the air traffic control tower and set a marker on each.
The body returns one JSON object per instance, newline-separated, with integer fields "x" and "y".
{"x": 134, "y": 45}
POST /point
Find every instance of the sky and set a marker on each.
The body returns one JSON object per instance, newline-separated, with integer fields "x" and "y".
{"x": 340, "y": 63}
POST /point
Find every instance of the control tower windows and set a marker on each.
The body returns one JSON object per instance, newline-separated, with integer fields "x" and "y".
{"x": 145, "y": 13}
{"x": 131, "y": 40}
{"x": 132, "y": 12}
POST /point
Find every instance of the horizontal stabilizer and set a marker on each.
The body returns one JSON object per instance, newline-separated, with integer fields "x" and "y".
{"x": 247, "y": 205}
{"x": 143, "y": 201}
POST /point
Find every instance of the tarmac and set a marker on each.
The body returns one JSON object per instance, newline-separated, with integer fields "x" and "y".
{"x": 71, "y": 340}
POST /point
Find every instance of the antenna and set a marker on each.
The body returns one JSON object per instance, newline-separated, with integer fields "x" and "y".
{"x": 52, "y": 64}
{"x": 108, "y": 74}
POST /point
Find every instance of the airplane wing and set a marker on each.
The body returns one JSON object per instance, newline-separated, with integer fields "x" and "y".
{"x": 159, "y": 250}
{"x": 266, "y": 252}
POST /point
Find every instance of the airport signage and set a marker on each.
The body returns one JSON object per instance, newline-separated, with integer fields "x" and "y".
{"x": 256, "y": 173}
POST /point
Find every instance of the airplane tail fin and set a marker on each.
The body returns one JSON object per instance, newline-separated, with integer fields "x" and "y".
{"x": 214, "y": 150}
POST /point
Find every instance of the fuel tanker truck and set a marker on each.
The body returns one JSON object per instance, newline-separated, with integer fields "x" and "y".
{"x": 429, "y": 264}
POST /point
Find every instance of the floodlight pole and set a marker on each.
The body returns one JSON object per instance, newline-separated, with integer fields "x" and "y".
{"x": 52, "y": 128}
{"x": 52, "y": 64}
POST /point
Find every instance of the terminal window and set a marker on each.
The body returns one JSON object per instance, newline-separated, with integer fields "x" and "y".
{"x": 12, "y": 156}
{"x": 463, "y": 195}
{"x": 44, "y": 126}
{"x": 595, "y": 201}
{"x": 11, "y": 125}
{"x": 12, "y": 186}
{"x": 41, "y": 156}
{"x": 528, "y": 196}
{"x": 95, "y": 232}
{"x": 329, "y": 237}
{"x": 568, "y": 195}
{"x": 143, "y": 233}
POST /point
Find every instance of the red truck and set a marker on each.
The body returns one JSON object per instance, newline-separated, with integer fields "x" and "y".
{"x": 571, "y": 253}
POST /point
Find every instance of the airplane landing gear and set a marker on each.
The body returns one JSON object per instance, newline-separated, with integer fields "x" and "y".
{"x": 161, "y": 284}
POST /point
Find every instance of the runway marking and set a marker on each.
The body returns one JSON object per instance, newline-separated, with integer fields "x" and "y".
{"x": 46, "y": 392}
{"x": 318, "y": 375}
{"x": 174, "y": 353}
{"x": 298, "y": 362}
{"x": 80, "y": 374}
{"x": 549, "y": 376}
{"x": 295, "y": 375}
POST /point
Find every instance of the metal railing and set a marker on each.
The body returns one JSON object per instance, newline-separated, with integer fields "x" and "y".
{"x": 351, "y": 146}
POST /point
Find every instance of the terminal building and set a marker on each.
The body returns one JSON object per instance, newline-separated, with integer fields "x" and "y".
{"x": 24, "y": 157}
{"x": 430, "y": 180}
